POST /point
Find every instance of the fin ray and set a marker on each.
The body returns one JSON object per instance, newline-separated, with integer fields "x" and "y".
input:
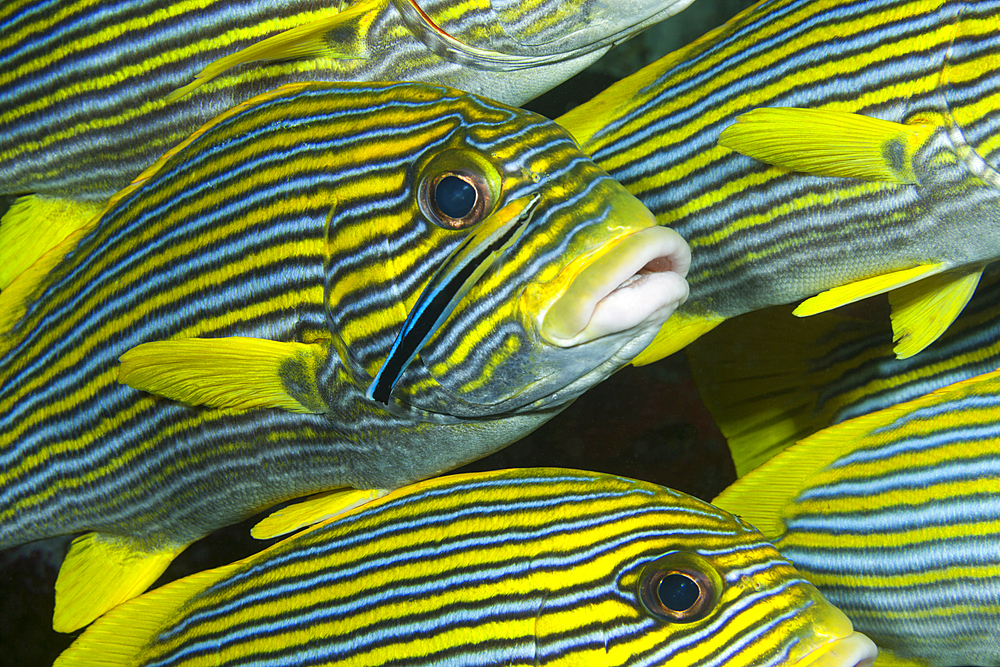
{"x": 312, "y": 510}
{"x": 829, "y": 143}
{"x": 227, "y": 373}
{"x": 99, "y": 573}
{"x": 924, "y": 310}
{"x": 862, "y": 289}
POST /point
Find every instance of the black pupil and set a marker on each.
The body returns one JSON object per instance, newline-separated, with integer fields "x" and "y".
{"x": 677, "y": 592}
{"x": 454, "y": 197}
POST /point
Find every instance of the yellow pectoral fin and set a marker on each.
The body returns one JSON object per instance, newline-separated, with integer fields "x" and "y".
{"x": 228, "y": 373}
{"x": 99, "y": 573}
{"x": 33, "y": 226}
{"x": 314, "y": 509}
{"x": 862, "y": 289}
{"x": 676, "y": 333}
{"x": 921, "y": 312}
{"x": 334, "y": 36}
{"x": 829, "y": 143}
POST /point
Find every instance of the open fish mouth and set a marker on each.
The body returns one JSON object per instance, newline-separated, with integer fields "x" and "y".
{"x": 638, "y": 281}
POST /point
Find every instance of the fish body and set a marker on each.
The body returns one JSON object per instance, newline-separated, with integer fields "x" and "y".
{"x": 894, "y": 516}
{"x": 204, "y": 349}
{"x": 90, "y": 95}
{"x": 833, "y": 148}
{"x": 516, "y": 567}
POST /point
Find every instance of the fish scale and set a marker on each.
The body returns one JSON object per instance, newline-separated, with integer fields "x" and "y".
{"x": 201, "y": 350}
{"x": 772, "y": 228}
{"x": 515, "y": 567}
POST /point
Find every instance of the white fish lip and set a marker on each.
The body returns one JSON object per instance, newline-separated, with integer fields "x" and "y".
{"x": 854, "y": 650}
{"x": 639, "y": 281}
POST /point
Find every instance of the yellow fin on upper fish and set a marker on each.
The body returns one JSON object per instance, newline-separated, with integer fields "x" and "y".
{"x": 229, "y": 373}
{"x": 314, "y": 509}
{"x": 829, "y": 143}
{"x": 681, "y": 329}
{"x": 312, "y": 40}
{"x": 862, "y": 289}
{"x": 32, "y": 226}
{"x": 99, "y": 573}
{"x": 922, "y": 311}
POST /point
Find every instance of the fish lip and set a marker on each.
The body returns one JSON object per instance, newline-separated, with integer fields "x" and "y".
{"x": 853, "y": 650}
{"x": 639, "y": 280}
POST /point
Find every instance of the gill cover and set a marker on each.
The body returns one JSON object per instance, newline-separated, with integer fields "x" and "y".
{"x": 512, "y": 35}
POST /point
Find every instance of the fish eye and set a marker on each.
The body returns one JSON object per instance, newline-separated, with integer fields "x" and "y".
{"x": 457, "y": 199}
{"x": 458, "y": 189}
{"x": 679, "y": 587}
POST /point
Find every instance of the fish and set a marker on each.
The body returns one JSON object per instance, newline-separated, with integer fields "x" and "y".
{"x": 769, "y": 382}
{"x": 223, "y": 337}
{"x": 90, "y": 95}
{"x": 820, "y": 151}
{"x": 893, "y": 515}
{"x": 511, "y": 567}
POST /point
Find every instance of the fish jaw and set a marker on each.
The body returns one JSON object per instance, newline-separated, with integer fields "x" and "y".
{"x": 632, "y": 280}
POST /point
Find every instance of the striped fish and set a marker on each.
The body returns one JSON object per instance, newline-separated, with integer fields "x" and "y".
{"x": 267, "y": 288}
{"x": 91, "y": 93}
{"x": 836, "y": 148}
{"x": 517, "y": 567}
{"x": 895, "y": 517}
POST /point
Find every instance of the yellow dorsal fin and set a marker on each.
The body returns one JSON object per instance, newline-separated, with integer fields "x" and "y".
{"x": 760, "y": 496}
{"x": 676, "y": 333}
{"x": 334, "y": 36}
{"x": 34, "y": 225}
{"x": 118, "y": 637}
{"x": 314, "y": 509}
{"x": 99, "y": 573}
{"x": 15, "y": 299}
{"x": 829, "y": 143}
{"x": 862, "y": 289}
{"x": 228, "y": 373}
{"x": 921, "y": 312}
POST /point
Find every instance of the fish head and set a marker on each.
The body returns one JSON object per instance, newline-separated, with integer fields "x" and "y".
{"x": 505, "y": 35}
{"x": 509, "y": 272}
{"x": 688, "y": 583}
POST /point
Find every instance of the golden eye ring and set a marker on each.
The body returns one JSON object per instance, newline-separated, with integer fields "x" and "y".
{"x": 679, "y": 588}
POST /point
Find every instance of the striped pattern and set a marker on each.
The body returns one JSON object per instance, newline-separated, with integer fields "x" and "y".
{"x": 762, "y": 236}
{"x": 524, "y": 567}
{"x": 84, "y": 85}
{"x": 294, "y": 220}
{"x": 901, "y": 529}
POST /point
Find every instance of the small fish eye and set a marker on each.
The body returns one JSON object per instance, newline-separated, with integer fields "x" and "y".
{"x": 679, "y": 588}
{"x": 456, "y": 199}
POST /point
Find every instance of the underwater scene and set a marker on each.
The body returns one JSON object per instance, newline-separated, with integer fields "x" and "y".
{"x": 500, "y": 332}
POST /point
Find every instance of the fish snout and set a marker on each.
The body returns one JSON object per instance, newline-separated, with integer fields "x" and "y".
{"x": 639, "y": 280}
